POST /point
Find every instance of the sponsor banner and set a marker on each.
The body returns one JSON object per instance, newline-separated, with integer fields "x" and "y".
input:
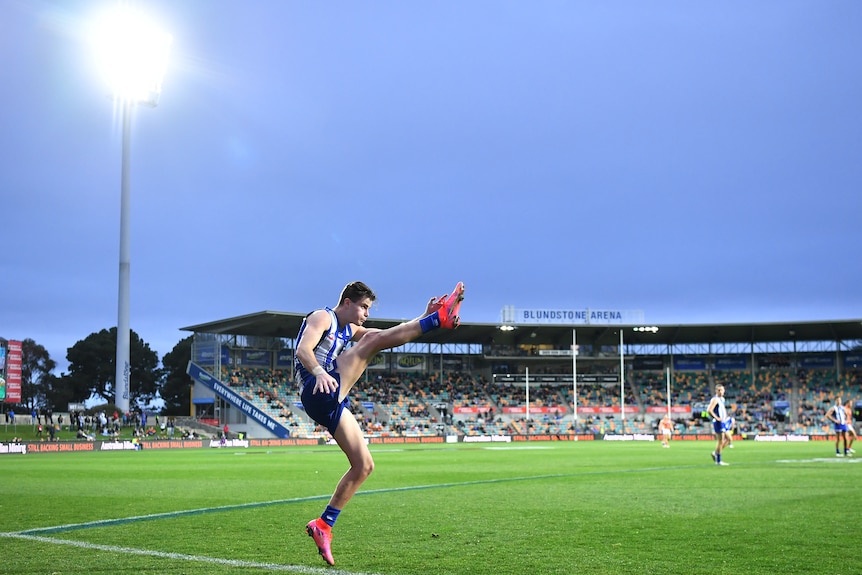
{"x": 602, "y": 410}
{"x": 700, "y": 407}
{"x": 673, "y": 409}
{"x": 377, "y": 362}
{"x": 229, "y": 443}
{"x": 10, "y": 448}
{"x": 469, "y": 410}
{"x": 601, "y": 378}
{"x": 14, "y": 360}
{"x": 128, "y": 445}
{"x": 124, "y": 445}
{"x": 523, "y": 409}
{"x": 577, "y": 316}
{"x": 284, "y": 442}
{"x": 506, "y": 379}
{"x": 57, "y": 447}
{"x": 553, "y": 352}
{"x": 537, "y": 379}
{"x": 205, "y": 353}
{"x": 550, "y": 437}
{"x": 404, "y": 440}
{"x": 687, "y": 362}
{"x": 733, "y": 362}
{"x": 781, "y": 438}
{"x": 817, "y": 360}
{"x": 771, "y": 360}
{"x": 2, "y": 358}
{"x": 648, "y": 363}
{"x": 410, "y": 362}
{"x": 284, "y": 358}
{"x": 852, "y": 359}
{"x": 629, "y": 437}
{"x": 487, "y": 439}
{"x": 261, "y": 417}
{"x": 255, "y": 357}
{"x": 699, "y": 437}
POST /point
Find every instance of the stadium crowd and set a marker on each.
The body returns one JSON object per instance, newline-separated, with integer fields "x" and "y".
{"x": 426, "y": 404}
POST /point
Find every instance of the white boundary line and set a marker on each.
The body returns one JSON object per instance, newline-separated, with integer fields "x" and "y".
{"x": 184, "y": 557}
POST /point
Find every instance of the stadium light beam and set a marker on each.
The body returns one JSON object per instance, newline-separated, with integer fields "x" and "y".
{"x": 132, "y": 55}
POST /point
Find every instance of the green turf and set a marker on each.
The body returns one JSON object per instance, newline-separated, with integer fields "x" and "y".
{"x": 587, "y": 507}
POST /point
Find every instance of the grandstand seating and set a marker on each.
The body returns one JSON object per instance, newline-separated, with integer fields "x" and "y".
{"x": 418, "y": 404}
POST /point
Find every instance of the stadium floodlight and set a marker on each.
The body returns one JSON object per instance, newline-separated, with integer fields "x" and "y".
{"x": 649, "y": 328}
{"x": 132, "y": 54}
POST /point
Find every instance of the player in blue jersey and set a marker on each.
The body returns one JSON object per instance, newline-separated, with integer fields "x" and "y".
{"x": 838, "y": 416}
{"x": 328, "y": 369}
{"x": 720, "y": 422}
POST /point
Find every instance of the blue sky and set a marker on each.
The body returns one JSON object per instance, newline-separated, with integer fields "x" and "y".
{"x": 698, "y": 161}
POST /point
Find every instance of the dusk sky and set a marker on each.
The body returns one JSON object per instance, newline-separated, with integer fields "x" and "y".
{"x": 698, "y": 161}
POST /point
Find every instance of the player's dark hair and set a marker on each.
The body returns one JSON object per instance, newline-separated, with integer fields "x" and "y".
{"x": 355, "y": 291}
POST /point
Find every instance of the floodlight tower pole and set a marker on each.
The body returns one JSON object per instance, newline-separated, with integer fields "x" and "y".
{"x": 123, "y": 364}
{"x": 133, "y": 54}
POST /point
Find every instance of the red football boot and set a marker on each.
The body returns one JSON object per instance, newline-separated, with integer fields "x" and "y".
{"x": 450, "y": 306}
{"x": 318, "y": 530}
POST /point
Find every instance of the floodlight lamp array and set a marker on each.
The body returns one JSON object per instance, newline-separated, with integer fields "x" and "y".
{"x": 132, "y": 54}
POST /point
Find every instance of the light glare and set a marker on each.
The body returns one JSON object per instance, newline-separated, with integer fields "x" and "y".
{"x": 132, "y": 54}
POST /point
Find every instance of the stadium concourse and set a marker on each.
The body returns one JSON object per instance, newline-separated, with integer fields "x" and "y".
{"x": 517, "y": 379}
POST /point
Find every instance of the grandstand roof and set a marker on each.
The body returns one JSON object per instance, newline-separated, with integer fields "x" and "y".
{"x": 286, "y": 325}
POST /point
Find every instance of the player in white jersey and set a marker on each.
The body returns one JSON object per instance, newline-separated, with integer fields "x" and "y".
{"x": 838, "y": 416}
{"x": 720, "y": 422}
{"x": 327, "y": 370}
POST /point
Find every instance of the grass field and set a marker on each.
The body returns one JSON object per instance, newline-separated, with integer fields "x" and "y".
{"x": 586, "y": 507}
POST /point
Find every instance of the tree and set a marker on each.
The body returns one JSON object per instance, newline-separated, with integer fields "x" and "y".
{"x": 175, "y": 388}
{"x": 60, "y": 392}
{"x": 36, "y": 376}
{"x": 92, "y": 361}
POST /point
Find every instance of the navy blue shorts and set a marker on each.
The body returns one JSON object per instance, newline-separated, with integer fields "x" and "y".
{"x": 324, "y": 408}
{"x": 722, "y": 426}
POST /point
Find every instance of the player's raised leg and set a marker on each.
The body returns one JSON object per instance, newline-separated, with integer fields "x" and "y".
{"x": 440, "y": 313}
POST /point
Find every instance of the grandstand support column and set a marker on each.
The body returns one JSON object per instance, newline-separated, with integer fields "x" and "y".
{"x": 574, "y": 381}
{"x": 622, "y": 385}
{"x": 793, "y": 416}
{"x": 667, "y": 383}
